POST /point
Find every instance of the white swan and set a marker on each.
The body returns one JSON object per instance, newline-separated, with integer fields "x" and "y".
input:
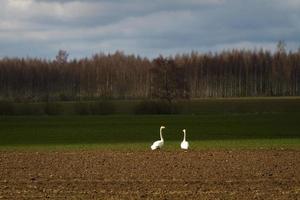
{"x": 159, "y": 143}
{"x": 184, "y": 144}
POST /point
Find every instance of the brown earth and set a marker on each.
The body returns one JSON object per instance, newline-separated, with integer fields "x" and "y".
{"x": 207, "y": 174}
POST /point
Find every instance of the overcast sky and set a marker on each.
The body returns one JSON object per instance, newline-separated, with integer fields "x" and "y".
{"x": 39, "y": 28}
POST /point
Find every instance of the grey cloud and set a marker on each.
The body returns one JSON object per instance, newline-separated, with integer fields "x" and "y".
{"x": 41, "y": 27}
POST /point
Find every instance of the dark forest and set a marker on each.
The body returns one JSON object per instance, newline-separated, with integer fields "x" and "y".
{"x": 234, "y": 73}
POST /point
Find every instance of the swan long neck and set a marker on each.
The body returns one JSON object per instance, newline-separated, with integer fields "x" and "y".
{"x": 184, "y": 135}
{"x": 160, "y": 133}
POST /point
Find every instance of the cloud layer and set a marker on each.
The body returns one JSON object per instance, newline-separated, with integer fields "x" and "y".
{"x": 38, "y": 28}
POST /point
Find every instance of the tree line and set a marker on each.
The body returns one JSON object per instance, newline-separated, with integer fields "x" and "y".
{"x": 232, "y": 73}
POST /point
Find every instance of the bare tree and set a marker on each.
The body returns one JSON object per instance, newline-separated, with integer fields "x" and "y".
{"x": 62, "y": 57}
{"x": 281, "y": 46}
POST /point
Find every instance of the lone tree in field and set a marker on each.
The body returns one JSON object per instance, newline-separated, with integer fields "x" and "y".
{"x": 168, "y": 81}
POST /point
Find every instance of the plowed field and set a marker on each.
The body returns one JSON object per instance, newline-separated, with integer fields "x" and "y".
{"x": 206, "y": 174}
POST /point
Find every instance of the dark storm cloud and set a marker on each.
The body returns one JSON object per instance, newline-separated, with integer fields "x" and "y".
{"x": 40, "y": 27}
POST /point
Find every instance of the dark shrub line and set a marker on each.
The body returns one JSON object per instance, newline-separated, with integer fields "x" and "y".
{"x": 85, "y": 108}
{"x": 105, "y": 107}
{"x": 156, "y": 107}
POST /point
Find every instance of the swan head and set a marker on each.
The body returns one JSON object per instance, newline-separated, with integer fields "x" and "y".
{"x": 162, "y": 127}
{"x": 184, "y": 130}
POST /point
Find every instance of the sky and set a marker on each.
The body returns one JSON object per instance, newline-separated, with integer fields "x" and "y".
{"x": 39, "y": 28}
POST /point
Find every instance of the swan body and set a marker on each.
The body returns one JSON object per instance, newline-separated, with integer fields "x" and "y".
{"x": 184, "y": 144}
{"x": 159, "y": 143}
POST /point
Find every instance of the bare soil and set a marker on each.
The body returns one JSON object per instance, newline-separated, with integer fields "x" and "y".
{"x": 207, "y": 174}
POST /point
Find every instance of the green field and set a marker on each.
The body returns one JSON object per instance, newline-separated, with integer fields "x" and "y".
{"x": 229, "y": 130}
{"x": 210, "y": 123}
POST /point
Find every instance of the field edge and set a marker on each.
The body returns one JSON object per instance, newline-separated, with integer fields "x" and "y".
{"x": 237, "y": 144}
